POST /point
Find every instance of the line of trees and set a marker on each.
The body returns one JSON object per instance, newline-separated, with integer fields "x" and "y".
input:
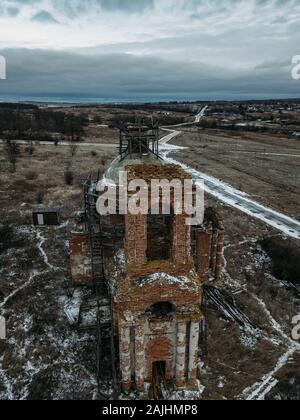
{"x": 39, "y": 124}
{"x": 120, "y": 119}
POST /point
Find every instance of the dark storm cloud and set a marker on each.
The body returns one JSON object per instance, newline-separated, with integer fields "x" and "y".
{"x": 135, "y": 47}
{"x": 43, "y": 17}
{"x": 44, "y": 73}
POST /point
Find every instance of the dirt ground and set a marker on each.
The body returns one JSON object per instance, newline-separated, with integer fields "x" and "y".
{"x": 237, "y": 358}
{"x": 44, "y": 357}
{"x": 266, "y": 167}
{"x": 97, "y": 133}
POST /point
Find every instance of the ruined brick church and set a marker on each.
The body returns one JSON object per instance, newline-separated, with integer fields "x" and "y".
{"x": 152, "y": 268}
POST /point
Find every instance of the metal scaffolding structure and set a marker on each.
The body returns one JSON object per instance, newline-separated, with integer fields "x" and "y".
{"x": 93, "y": 225}
{"x": 139, "y": 139}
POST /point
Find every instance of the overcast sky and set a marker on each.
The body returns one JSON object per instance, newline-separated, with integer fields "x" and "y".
{"x": 159, "y": 49}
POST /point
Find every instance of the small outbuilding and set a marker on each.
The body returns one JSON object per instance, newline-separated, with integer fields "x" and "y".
{"x": 45, "y": 217}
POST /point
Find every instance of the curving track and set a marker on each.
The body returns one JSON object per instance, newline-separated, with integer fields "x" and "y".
{"x": 228, "y": 194}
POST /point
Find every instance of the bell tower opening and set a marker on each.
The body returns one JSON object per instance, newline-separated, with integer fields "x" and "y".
{"x": 159, "y": 237}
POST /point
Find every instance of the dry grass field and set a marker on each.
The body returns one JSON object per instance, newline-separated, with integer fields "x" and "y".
{"x": 266, "y": 167}
{"x": 41, "y": 178}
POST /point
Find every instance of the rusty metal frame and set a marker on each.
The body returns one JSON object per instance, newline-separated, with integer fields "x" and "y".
{"x": 140, "y": 136}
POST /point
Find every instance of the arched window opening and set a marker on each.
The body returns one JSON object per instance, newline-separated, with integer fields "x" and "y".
{"x": 161, "y": 310}
{"x": 159, "y": 242}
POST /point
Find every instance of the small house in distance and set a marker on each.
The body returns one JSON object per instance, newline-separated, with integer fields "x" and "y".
{"x": 45, "y": 217}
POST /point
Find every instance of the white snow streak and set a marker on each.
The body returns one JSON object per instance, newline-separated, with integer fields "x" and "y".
{"x": 34, "y": 273}
{"x": 231, "y": 196}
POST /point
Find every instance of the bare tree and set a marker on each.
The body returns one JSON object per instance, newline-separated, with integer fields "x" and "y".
{"x": 12, "y": 152}
{"x": 30, "y": 149}
{"x": 73, "y": 149}
{"x": 68, "y": 175}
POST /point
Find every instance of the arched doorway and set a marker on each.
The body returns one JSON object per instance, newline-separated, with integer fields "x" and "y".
{"x": 160, "y": 355}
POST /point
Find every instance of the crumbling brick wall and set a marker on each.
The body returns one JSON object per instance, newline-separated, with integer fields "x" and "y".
{"x": 209, "y": 246}
{"x": 169, "y": 340}
{"x": 142, "y": 282}
{"x": 173, "y": 341}
{"x": 160, "y": 348}
{"x": 136, "y": 240}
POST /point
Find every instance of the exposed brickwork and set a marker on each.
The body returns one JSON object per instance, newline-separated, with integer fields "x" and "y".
{"x": 140, "y": 356}
{"x": 194, "y": 352}
{"x": 174, "y": 339}
{"x": 146, "y": 283}
{"x": 150, "y": 172}
{"x": 160, "y": 349}
{"x": 136, "y": 239}
{"x": 137, "y": 296}
{"x": 181, "y": 240}
{"x": 125, "y": 358}
{"x": 180, "y": 353}
{"x": 209, "y": 247}
{"x": 204, "y": 241}
{"x": 139, "y": 284}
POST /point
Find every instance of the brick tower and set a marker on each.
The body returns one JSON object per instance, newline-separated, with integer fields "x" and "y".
{"x": 157, "y": 300}
{"x": 152, "y": 269}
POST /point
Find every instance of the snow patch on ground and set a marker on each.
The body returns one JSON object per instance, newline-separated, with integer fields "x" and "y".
{"x": 72, "y": 306}
{"x": 221, "y": 382}
{"x": 248, "y": 341}
{"x": 261, "y": 389}
{"x": 121, "y": 258}
{"x": 261, "y": 259}
{"x": 52, "y": 351}
{"x": 186, "y": 395}
{"x": 165, "y": 278}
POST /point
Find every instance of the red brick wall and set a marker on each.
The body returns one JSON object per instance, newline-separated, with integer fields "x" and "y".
{"x": 160, "y": 349}
{"x": 181, "y": 240}
{"x": 209, "y": 253}
{"x": 136, "y": 239}
{"x": 204, "y": 240}
{"x": 131, "y": 297}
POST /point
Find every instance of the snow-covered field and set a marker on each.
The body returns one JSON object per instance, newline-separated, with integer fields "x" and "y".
{"x": 43, "y": 356}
